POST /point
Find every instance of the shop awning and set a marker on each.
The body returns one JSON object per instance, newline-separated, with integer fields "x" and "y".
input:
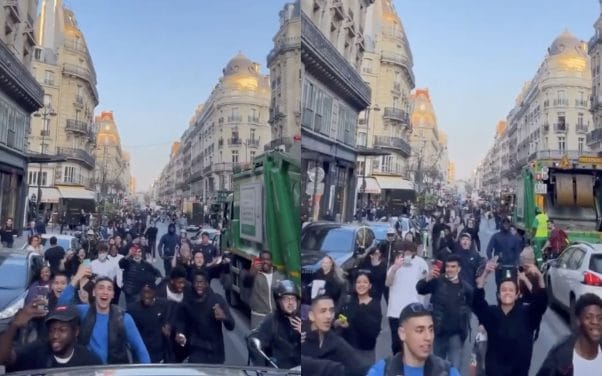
{"x": 76, "y": 193}
{"x": 49, "y": 195}
{"x": 371, "y": 185}
{"x": 394, "y": 182}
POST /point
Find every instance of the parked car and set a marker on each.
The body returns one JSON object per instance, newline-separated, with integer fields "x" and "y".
{"x": 68, "y": 242}
{"x": 578, "y": 270}
{"x": 380, "y": 230}
{"x": 344, "y": 243}
{"x": 17, "y": 270}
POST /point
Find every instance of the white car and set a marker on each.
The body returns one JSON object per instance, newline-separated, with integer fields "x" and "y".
{"x": 578, "y": 270}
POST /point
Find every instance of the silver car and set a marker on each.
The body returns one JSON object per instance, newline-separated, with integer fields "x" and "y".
{"x": 578, "y": 270}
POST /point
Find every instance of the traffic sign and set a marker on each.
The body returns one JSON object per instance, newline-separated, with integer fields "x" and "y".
{"x": 541, "y": 188}
{"x": 312, "y": 172}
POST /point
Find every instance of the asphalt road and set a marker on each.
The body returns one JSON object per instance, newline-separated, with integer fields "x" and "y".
{"x": 553, "y": 326}
{"x": 234, "y": 341}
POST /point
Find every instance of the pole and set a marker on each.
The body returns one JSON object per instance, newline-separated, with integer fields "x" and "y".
{"x": 44, "y": 130}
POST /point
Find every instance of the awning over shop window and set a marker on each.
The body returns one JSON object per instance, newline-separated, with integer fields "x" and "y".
{"x": 49, "y": 195}
{"x": 76, "y": 193}
{"x": 394, "y": 182}
{"x": 371, "y": 185}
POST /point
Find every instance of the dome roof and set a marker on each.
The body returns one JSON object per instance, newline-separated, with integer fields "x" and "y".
{"x": 240, "y": 64}
{"x": 566, "y": 43}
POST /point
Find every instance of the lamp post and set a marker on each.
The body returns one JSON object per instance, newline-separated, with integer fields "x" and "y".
{"x": 45, "y": 113}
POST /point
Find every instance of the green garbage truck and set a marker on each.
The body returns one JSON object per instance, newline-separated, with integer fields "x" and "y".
{"x": 568, "y": 191}
{"x": 262, "y": 213}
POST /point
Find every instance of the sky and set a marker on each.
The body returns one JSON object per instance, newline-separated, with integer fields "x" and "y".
{"x": 475, "y": 55}
{"x": 157, "y": 60}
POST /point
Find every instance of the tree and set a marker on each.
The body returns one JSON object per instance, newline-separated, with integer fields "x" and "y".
{"x": 425, "y": 169}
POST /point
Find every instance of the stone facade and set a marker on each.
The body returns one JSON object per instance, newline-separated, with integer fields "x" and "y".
{"x": 62, "y": 64}
{"x": 20, "y": 95}
{"x": 333, "y": 95}
{"x": 550, "y": 119}
{"x": 594, "y": 138}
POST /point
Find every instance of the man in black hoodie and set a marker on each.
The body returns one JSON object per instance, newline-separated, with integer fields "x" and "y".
{"x": 470, "y": 260}
{"x": 200, "y": 322}
{"x": 581, "y": 353}
{"x": 321, "y": 342}
{"x": 507, "y": 247}
{"x": 167, "y": 247}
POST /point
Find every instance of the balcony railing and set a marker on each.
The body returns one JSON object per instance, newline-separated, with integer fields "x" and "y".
{"x": 253, "y": 142}
{"x": 78, "y": 154}
{"x": 595, "y": 136}
{"x": 558, "y": 154}
{"x": 76, "y": 179}
{"x": 253, "y": 119}
{"x": 581, "y": 103}
{"x": 561, "y": 102}
{"x": 581, "y": 127}
{"x": 397, "y": 114}
{"x": 389, "y": 170}
{"x": 561, "y": 127}
{"x": 234, "y": 119}
{"x": 397, "y": 143}
{"x": 234, "y": 141}
{"x": 83, "y": 73}
{"x": 77, "y": 126}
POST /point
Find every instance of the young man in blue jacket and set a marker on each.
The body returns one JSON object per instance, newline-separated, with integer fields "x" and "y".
{"x": 105, "y": 328}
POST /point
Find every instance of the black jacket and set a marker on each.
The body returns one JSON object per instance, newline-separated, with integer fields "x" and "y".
{"x": 335, "y": 349}
{"x": 364, "y": 322}
{"x": 136, "y": 274}
{"x": 279, "y": 340}
{"x": 510, "y": 337}
{"x": 333, "y": 286}
{"x": 378, "y": 276}
{"x": 559, "y": 361}
{"x": 471, "y": 262}
{"x": 451, "y": 305}
{"x": 203, "y": 332}
{"x": 506, "y": 245}
{"x": 149, "y": 321}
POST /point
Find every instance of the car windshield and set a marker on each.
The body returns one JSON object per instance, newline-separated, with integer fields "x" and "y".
{"x": 380, "y": 231}
{"x": 595, "y": 263}
{"x": 327, "y": 239}
{"x": 13, "y": 271}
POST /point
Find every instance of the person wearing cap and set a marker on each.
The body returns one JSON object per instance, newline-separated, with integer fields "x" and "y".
{"x": 280, "y": 331}
{"x": 416, "y": 331}
{"x": 470, "y": 259}
{"x": 60, "y": 349}
{"x": 136, "y": 273}
{"x": 506, "y": 246}
{"x": 106, "y": 329}
{"x": 510, "y": 325}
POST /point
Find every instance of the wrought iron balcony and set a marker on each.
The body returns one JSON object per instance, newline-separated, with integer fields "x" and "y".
{"x": 561, "y": 102}
{"x": 396, "y": 143}
{"x": 77, "y": 126}
{"x": 581, "y": 103}
{"x": 83, "y": 73}
{"x": 234, "y": 119}
{"x": 581, "y": 127}
{"x": 558, "y": 154}
{"x": 397, "y": 114}
{"x": 561, "y": 127}
{"x": 234, "y": 141}
{"x": 253, "y": 142}
{"x": 593, "y": 137}
{"x": 77, "y": 154}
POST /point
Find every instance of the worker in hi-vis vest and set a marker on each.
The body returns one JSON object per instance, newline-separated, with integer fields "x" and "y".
{"x": 540, "y": 236}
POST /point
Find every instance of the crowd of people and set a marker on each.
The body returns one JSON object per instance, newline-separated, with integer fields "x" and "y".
{"x": 433, "y": 296}
{"x": 74, "y": 313}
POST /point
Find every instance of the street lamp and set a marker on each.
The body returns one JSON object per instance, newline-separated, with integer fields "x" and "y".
{"x": 46, "y": 113}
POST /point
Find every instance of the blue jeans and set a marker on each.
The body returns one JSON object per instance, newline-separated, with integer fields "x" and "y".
{"x": 450, "y": 348}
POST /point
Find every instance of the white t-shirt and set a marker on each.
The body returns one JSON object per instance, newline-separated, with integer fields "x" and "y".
{"x": 403, "y": 291}
{"x": 106, "y": 268}
{"x": 119, "y": 272}
{"x": 584, "y": 367}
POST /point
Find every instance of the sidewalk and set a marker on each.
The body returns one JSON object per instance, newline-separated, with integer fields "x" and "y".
{"x": 22, "y": 240}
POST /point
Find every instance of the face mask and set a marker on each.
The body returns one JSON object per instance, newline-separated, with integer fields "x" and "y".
{"x": 102, "y": 256}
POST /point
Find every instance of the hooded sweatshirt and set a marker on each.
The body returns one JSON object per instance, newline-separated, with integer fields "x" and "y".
{"x": 168, "y": 242}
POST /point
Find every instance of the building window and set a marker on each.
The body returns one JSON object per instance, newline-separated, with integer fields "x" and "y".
{"x": 44, "y": 148}
{"x": 32, "y": 178}
{"x": 49, "y": 77}
{"x": 234, "y": 156}
{"x": 580, "y": 144}
{"x": 69, "y": 175}
{"x": 252, "y": 155}
{"x": 362, "y": 139}
{"x": 561, "y": 144}
{"x": 580, "y": 119}
{"x": 252, "y": 134}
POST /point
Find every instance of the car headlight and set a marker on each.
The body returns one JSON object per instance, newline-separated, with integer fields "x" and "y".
{"x": 13, "y": 308}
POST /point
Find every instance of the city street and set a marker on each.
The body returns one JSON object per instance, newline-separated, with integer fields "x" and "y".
{"x": 553, "y": 326}
{"x": 234, "y": 341}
